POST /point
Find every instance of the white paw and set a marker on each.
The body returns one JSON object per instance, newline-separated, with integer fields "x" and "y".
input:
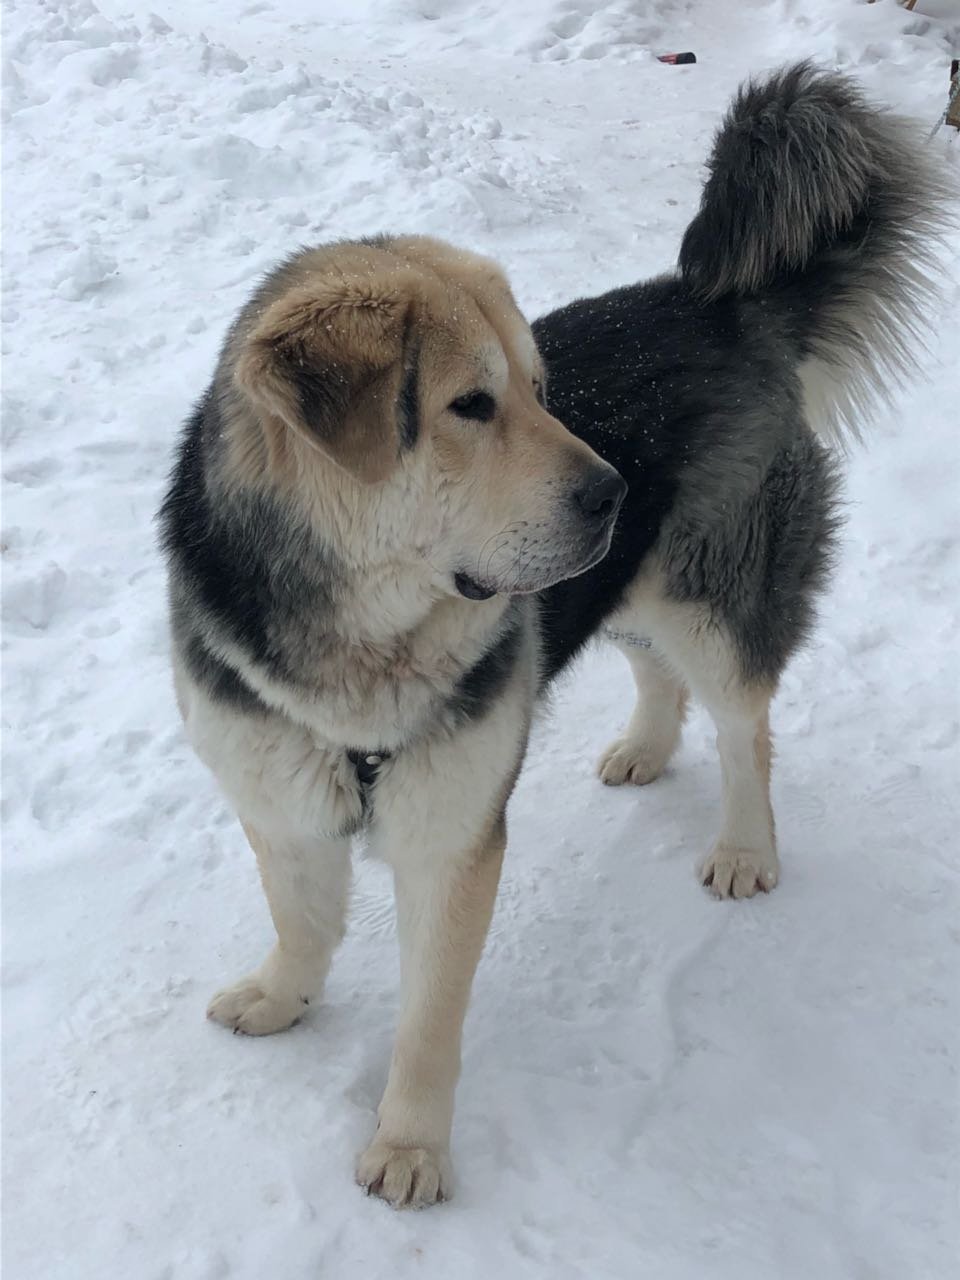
{"x": 406, "y": 1177}
{"x": 739, "y": 873}
{"x": 632, "y": 760}
{"x": 247, "y": 1008}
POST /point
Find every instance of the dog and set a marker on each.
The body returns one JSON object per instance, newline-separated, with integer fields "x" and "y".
{"x": 383, "y": 546}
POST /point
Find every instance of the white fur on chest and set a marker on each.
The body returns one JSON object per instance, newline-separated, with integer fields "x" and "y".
{"x": 381, "y": 693}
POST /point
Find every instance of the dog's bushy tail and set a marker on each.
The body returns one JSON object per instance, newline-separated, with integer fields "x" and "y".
{"x": 829, "y": 210}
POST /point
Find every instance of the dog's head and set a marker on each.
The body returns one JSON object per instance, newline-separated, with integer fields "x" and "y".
{"x": 397, "y": 378}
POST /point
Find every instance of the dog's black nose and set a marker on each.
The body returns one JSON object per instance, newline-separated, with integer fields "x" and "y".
{"x": 600, "y": 495}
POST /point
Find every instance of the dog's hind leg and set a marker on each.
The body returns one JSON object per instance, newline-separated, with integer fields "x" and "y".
{"x": 640, "y": 755}
{"x": 306, "y": 881}
{"x": 705, "y": 659}
{"x": 744, "y": 859}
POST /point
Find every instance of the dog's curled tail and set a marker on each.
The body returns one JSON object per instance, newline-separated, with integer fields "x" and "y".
{"x": 829, "y": 210}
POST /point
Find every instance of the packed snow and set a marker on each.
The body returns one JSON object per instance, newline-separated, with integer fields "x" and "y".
{"x": 655, "y": 1084}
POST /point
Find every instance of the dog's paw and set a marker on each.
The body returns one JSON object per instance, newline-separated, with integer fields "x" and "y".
{"x": 247, "y": 1008}
{"x": 631, "y": 760}
{"x": 406, "y": 1177}
{"x": 729, "y": 872}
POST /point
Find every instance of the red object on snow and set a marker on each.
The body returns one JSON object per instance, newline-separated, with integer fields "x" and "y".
{"x": 676, "y": 59}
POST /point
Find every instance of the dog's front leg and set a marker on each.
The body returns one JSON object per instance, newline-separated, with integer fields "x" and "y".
{"x": 438, "y": 821}
{"x": 443, "y": 912}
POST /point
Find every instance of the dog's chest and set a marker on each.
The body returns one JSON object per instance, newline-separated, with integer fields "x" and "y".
{"x": 381, "y": 696}
{"x": 364, "y": 690}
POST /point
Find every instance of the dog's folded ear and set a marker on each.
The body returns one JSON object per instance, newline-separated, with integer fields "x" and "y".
{"x": 330, "y": 360}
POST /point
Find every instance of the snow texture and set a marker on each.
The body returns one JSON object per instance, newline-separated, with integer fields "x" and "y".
{"x": 655, "y": 1084}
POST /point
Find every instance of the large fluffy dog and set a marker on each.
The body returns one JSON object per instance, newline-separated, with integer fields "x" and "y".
{"x": 382, "y": 546}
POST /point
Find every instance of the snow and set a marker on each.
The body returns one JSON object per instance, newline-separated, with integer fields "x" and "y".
{"x": 654, "y": 1083}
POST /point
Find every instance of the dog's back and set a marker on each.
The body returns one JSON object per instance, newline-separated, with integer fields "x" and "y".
{"x": 799, "y": 296}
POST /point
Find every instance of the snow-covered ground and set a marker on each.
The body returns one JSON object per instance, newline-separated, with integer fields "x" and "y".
{"x": 655, "y": 1084}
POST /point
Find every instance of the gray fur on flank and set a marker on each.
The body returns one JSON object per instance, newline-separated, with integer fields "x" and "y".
{"x": 820, "y": 197}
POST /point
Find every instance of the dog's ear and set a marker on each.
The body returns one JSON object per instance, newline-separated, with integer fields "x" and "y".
{"x": 329, "y": 360}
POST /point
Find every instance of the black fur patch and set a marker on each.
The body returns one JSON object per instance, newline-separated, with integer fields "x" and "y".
{"x": 322, "y": 394}
{"x": 245, "y": 562}
{"x": 725, "y": 478}
{"x": 408, "y": 403}
{"x": 635, "y": 374}
{"x": 218, "y": 680}
{"x": 480, "y": 686}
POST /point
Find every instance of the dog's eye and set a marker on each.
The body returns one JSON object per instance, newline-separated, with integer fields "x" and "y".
{"x": 476, "y": 405}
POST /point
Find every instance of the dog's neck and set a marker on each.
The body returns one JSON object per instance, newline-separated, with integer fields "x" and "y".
{"x": 382, "y": 647}
{"x": 390, "y": 591}
{"x": 401, "y": 605}
{"x": 387, "y": 637}
{"x": 372, "y": 675}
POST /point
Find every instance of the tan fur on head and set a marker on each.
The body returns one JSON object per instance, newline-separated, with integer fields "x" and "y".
{"x": 341, "y": 382}
{"x": 325, "y": 359}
